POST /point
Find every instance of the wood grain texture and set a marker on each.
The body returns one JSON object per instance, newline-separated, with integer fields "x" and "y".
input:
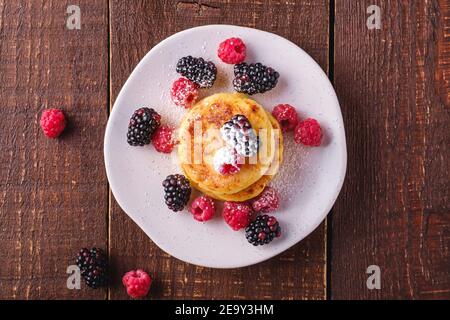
{"x": 53, "y": 193}
{"x": 394, "y": 210}
{"x": 136, "y": 27}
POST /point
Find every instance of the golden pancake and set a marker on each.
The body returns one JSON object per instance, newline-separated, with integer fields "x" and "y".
{"x": 199, "y": 139}
{"x": 256, "y": 188}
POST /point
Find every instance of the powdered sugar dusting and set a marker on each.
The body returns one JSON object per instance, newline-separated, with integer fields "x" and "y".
{"x": 288, "y": 181}
{"x": 226, "y": 156}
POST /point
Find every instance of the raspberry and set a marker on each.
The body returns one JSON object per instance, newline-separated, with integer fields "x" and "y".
{"x": 227, "y": 161}
{"x": 162, "y": 139}
{"x": 267, "y": 201}
{"x": 137, "y": 283}
{"x": 237, "y": 214}
{"x": 53, "y": 122}
{"x": 232, "y": 51}
{"x": 286, "y": 116}
{"x": 184, "y": 92}
{"x": 308, "y": 132}
{"x": 203, "y": 208}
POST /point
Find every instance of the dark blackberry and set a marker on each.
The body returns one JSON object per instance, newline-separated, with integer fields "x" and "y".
{"x": 143, "y": 124}
{"x": 254, "y": 78}
{"x": 177, "y": 191}
{"x": 263, "y": 230}
{"x": 239, "y": 134}
{"x": 197, "y": 70}
{"x": 93, "y": 265}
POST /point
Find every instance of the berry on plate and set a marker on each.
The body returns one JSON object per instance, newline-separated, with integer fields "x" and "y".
{"x": 53, "y": 122}
{"x": 227, "y": 161}
{"x": 177, "y": 191}
{"x": 308, "y": 132}
{"x": 93, "y": 265}
{"x": 143, "y": 124}
{"x": 239, "y": 134}
{"x": 137, "y": 283}
{"x": 232, "y": 51}
{"x": 286, "y": 116}
{"x": 162, "y": 139}
{"x": 263, "y": 230}
{"x": 197, "y": 70}
{"x": 184, "y": 92}
{"x": 237, "y": 214}
{"x": 267, "y": 201}
{"x": 203, "y": 208}
{"x": 254, "y": 78}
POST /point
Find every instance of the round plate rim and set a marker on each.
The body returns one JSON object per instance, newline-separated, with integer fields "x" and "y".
{"x": 343, "y": 145}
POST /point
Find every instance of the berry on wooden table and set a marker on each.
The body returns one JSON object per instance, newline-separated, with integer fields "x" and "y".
{"x": 137, "y": 283}
{"x": 53, "y": 122}
{"x": 93, "y": 265}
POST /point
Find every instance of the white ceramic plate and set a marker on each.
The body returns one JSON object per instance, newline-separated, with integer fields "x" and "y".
{"x": 309, "y": 179}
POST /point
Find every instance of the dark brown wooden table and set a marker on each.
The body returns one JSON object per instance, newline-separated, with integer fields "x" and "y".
{"x": 394, "y": 88}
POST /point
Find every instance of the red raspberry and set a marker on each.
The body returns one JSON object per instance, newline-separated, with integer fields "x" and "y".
{"x": 53, "y": 122}
{"x": 267, "y": 201}
{"x": 227, "y": 161}
{"x": 137, "y": 283}
{"x": 232, "y": 51}
{"x": 184, "y": 92}
{"x": 162, "y": 139}
{"x": 308, "y": 132}
{"x": 229, "y": 169}
{"x": 203, "y": 208}
{"x": 286, "y": 116}
{"x": 237, "y": 214}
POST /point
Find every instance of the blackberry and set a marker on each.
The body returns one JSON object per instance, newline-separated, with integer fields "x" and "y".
{"x": 143, "y": 124}
{"x": 239, "y": 134}
{"x": 177, "y": 191}
{"x": 197, "y": 70}
{"x": 254, "y": 78}
{"x": 93, "y": 265}
{"x": 263, "y": 230}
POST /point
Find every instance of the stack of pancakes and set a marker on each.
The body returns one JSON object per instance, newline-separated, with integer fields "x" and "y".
{"x": 199, "y": 139}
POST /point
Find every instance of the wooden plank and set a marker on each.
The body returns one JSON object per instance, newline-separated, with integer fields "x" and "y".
{"x": 394, "y": 210}
{"x": 136, "y": 27}
{"x": 53, "y": 194}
